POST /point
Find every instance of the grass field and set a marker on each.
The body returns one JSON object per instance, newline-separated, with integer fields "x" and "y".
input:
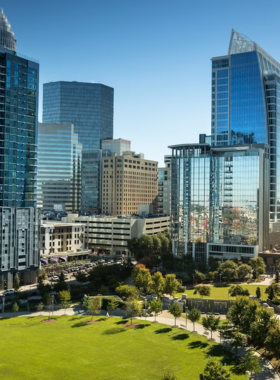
{"x": 69, "y": 349}
{"x": 222, "y": 292}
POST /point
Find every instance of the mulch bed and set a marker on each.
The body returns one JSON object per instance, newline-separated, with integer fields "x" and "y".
{"x": 131, "y": 326}
{"x": 48, "y": 320}
{"x": 90, "y": 322}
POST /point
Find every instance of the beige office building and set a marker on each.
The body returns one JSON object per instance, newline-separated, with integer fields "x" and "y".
{"x": 129, "y": 184}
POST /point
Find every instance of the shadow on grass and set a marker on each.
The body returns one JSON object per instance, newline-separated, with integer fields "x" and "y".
{"x": 227, "y": 357}
{"x": 141, "y": 327}
{"x": 76, "y": 318}
{"x": 238, "y": 369}
{"x": 180, "y": 337}
{"x": 102, "y": 319}
{"x": 197, "y": 344}
{"x": 163, "y": 331}
{"x": 113, "y": 331}
{"x": 79, "y": 324}
{"x": 122, "y": 322}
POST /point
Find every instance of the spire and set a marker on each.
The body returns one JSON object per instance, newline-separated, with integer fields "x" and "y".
{"x": 7, "y": 38}
{"x": 240, "y": 43}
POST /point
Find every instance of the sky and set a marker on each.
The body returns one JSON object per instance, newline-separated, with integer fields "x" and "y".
{"x": 154, "y": 53}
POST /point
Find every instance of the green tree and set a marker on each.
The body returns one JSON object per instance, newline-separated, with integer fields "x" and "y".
{"x": 142, "y": 278}
{"x": 156, "y": 243}
{"x": 171, "y": 284}
{"x": 61, "y": 277}
{"x": 193, "y": 316}
{"x": 133, "y": 308}
{"x": 258, "y": 265}
{"x": 40, "y": 306}
{"x": 127, "y": 291}
{"x": 81, "y": 277}
{"x": 277, "y": 276}
{"x": 243, "y": 313}
{"x": 251, "y": 363}
{"x": 103, "y": 290}
{"x": 272, "y": 342}
{"x": 211, "y": 323}
{"x": 15, "y": 307}
{"x": 263, "y": 323}
{"x": 214, "y": 370}
{"x": 203, "y": 290}
{"x": 64, "y": 299}
{"x": 237, "y": 340}
{"x": 228, "y": 270}
{"x": 146, "y": 244}
{"x": 16, "y": 282}
{"x": 60, "y": 285}
{"x": 134, "y": 247}
{"x": 112, "y": 305}
{"x": 211, "y": 276}
{"x": 242, "y": 271}
{"x": 212, "y": 264}
{"x": 165, "y": 242}
{"x": 258, "y": 292}
{"x": 175, "y": 310}
{"x": 199, "y": 277}
{"x": 157, "y": 284}
{"x": 237, "y": 290}
{"x": 272, "y": 291}
{"x": 156, "y": 306}
{"x": 93, "y": 306}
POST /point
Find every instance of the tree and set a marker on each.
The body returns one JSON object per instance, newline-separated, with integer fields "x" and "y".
{"x": 175, "y": 310}
{"x": 156, "y": 306}
{"x": 277, "y": 276}
{"x": 133, "y": 308}
{"x": 211, "y": 276}
{"x": 193, "y": 316}
{"x": 61, "y": 277}
{"x": 171, "y": 284}
{"x": 65, "y": 299}
{"x": 81, "y": 277}
{"x": 60, "y": 285}
{"x": 142, "y": 278}
{"x": 214, "y": 370}
{"x": 40, "y": 307}
{"x": 157, "y": 284}
{"x": 156, "y": 243}
{"x": 251, "y": 363}
{"x": 15, "y": 307}
{"x": 258, "y": 292}
{"x": 212, "y": 264}
{"x": 103, "y": 290}
{"x": 272, "y": 342}
{"x": 112, "y": 305}
{"x": 263, "y": 323}
{"x": 237, "y": 340}
{"x": 237, "y": 290}
{"x": 203, "y": 290}
{"x": 199, "y": 277}
{"x": 228, "y": 270}
{"x": 243, "y": 270}
{"x": 243, "y": 313}
{"x": 258, "y": 265}
{"x": 93, "y": 305}
{"x": 16, "y": 282}
{"x": 127, "y": 291}
{"x": 272, "y": 291}
{"x": 211, "y": 323}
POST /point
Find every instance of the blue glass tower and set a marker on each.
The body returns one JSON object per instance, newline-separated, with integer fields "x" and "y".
{"x": 89, "y": 106}
{"x": 246, "y": 105}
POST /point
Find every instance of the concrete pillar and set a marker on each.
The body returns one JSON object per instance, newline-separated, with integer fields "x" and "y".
{"x": 193, "y": 250}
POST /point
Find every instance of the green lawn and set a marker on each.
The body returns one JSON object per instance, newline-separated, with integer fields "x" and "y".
{"x": 222, "y": 292}
{"x": 68, "y": 349}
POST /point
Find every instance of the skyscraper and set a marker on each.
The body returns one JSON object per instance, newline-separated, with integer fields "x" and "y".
{"x": 19, "y": 233}
{"x": 59, "y": 167}
{"x": 89, "y": 106}
{"x": 246, "y": 105}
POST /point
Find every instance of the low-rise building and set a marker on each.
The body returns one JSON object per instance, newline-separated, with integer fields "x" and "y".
{"x": 62, "y": 241}
{"x": 111, "y": 234}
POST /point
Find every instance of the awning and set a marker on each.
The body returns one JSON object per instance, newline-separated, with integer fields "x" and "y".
{"x": 44, "y": 261}
{"x": 54, "y": 259}
{"x": 63, "y": 258}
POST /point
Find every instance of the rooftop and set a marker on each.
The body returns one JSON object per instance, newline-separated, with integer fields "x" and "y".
{"x": 7, "y": 38}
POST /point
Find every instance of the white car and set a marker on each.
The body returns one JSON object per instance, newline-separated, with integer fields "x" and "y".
{"x": 9, "y": 292}
{"x": 55, "y": 278}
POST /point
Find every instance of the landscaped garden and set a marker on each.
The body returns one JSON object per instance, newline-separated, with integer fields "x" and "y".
{"x": 69, "y": 349}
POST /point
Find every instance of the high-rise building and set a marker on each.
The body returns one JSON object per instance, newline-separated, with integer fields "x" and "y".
{"x": 246, "y": 105}
{"x": 118, "y": 146}
{"x": 59, "y": 167}
{"x": 129, "y": 183}
{"x": 164, "y": 187}
{"x": 219, "y": 200}
{"x": 89, "y": 106}
{"x": 20, "y": 230}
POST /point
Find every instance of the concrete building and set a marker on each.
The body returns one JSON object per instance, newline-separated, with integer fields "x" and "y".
{"x": 111, "y": 234}
{"x": 19, "y": 84}
{"x": 164, "y": 187}
{"x": 62, "y": 242}
{"x": 128, "y": 182}
{"x": 118, "y": 146}
{"x": 59, "y": 167}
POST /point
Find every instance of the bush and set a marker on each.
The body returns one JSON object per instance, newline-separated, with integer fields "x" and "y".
{"x": 237, "y": 290}
{"x": 276, "y": 301}
{"x": 181, "y": 288}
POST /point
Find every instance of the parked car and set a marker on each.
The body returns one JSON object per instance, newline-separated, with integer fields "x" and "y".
{"x": 8, "y": 292}
{"x": 55, "y": 278}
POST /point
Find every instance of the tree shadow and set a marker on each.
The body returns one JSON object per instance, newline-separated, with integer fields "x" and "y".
{"x": 238, "y": 369}
{"x": 141, "y": 327}
{"x": 79, "y": 324}
{"x": 181, "y": 337}
{"x": 76, "y": 318}
{"x": 227, "y": 357}
{"x": 113, "y": 331}
{"x": 122, "y": 322}
{"x": 102, "y": 319}
{"x": 163, "y": 331}
{"x": 198, "y": 344}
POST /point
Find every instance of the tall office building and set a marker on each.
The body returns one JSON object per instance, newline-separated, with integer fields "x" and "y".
{"x": 89, "y": 106}
{"x": 164, "y": 187}
{"x": 246, "y": 105}
{"x": 19, "y": 232}
{"x": 59, "y": 167}
{"x": 129, "y": 184}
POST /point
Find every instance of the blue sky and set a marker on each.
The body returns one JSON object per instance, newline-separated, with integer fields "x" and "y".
{"x": 155, "y": 53}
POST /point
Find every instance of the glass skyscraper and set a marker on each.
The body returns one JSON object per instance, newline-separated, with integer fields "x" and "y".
{"x": 89, "y": 106}
{"x": 59, "y": 167}
{"x": 246, "y": 105}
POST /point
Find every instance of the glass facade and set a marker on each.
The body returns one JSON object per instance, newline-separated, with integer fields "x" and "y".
{"x": 59, "y": 167}
{"x": 220, "y": 195}
{"x": 19, "y": 81}
{"x": 89, "y": 106}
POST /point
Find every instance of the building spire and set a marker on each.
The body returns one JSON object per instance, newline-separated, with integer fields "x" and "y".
{"x": 7, "y": 38}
